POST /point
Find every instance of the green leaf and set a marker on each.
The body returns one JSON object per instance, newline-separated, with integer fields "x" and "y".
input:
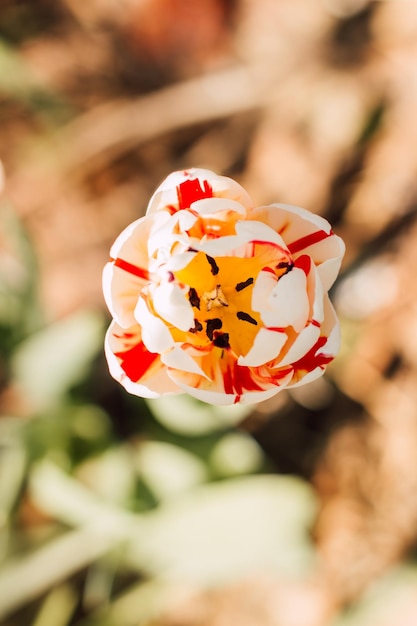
{"x": 168, "y": 469}
{"x": 19, "y": 309}
{"x": 50, "y": 362}
{"x": 12, "y": 465}
{"x": 111, "y": 475}
{"x": 187, "y": 416}
{"x": 236, "y": 453}
{"x": 226, "y": 530}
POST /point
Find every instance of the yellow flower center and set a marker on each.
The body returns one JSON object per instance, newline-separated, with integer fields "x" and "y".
{"x": 220, "y": 292}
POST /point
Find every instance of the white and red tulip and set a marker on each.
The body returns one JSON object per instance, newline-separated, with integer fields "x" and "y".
{"x": 220, "y": 299}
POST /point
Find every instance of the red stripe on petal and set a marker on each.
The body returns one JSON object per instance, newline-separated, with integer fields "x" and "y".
{"x": 247, "y": 379}
{"x": 238, "y": 378}
{"x": 265, "y": 242}
{"x": 124, "y": 335}
{"x": 311, "y": 360}
{"x": 140, "y": 272}
{"x": 191, "y": 190}
{"x": 280, "y": 374}
{"x": 136, "y": 361}
{"x": 303, "y": 263}
{"x": 228, "y": 381}
{"x": 308, "y": 240}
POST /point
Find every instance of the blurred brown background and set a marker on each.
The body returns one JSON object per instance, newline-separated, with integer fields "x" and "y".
{"x": 306, "y": 102}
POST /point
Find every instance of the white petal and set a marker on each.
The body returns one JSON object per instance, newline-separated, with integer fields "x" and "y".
{"x": 264, "y": 283}
{"x": 252, "y": 230}
{"x": 155, "y": 334}
{"x": 171, "y": 303}
{"x": 159, "y": 385}
{"x": 131, "y": 244}
{"x": 208, "y": 206}
{"x": 179, "y": 261}
{"x": 165, "y": 232}
{"x": 288, "y": 303}
{"x": 331, "y": 328}
{"x": 223, "y": 399}
{"x": 303, "y": 343}
{"x": 129, "y": 234}
{"x": 211, "y": 397}
{"x": 332, "y": 345}
{"x": 221, "y": 246}
{"x": 128, "y": 272}
{"x": 179, "y": 359}
{"x": 309, "y": 377}
{"x": 121, "y": 292}
{"x": 253, "y": 397}
{"x": 329, "y": 269}
{"x": 266, "y": 347}
{"x": 316, "y": 295}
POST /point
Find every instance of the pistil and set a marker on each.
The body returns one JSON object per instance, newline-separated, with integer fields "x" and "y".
{"x": 214, "y": 298}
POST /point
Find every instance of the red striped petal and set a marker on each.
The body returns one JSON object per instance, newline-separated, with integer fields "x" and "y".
{"x": 191, "y": 190}
{"x": 311, "y": 360}
{"x": 303, "y": 263}
{"x": 238, "y": 379}
{"x": 140, "y": 272}
{"x": 308, "y": 240}
{"x": 136, "y": 361}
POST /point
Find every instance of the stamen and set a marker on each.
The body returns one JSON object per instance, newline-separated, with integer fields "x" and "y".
{"x": 193, "y": 298}
{"x": 245, "y": 317}
{"x": 244, "y": 284}
{"x": 213, "y": 265}
{"x": 287, "y": 265}
{"x": 212, "y": 325}
{"x": 215, "y": 297}
{"x": 197, "y": 326}
{"x": 221, "y": 340}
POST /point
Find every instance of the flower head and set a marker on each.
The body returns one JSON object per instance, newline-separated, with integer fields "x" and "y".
{"x": 215, "y": 297}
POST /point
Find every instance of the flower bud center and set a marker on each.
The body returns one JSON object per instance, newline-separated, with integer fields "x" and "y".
{"x": 220, "y": 292}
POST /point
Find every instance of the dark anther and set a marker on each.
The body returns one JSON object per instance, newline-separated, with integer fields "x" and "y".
{"x": 245, "y": 283}
{"x": 197, "y": 326}
{"x": 213, "y": 265}
{"x": 171, "y": 277}
{"x": 193, "y": 298}
{"x": 221, "y": 340}
{"x": 245, "y": 317}
{"x": 212, "y": 325}
{"x": 190, "y": 249}
{"x": 288, "y": 265}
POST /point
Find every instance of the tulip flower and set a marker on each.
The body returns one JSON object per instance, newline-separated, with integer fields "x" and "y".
{"x": 220, "y": 299}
